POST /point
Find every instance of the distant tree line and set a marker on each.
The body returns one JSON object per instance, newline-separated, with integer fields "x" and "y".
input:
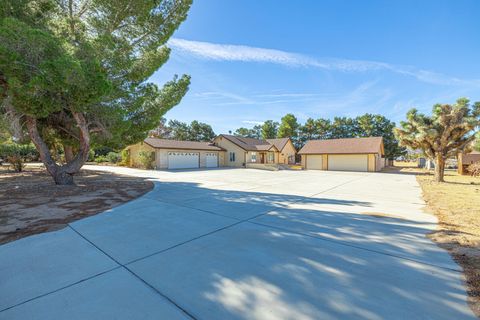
{"x": 366, "y": 125}
{"x": 177, "y": 130}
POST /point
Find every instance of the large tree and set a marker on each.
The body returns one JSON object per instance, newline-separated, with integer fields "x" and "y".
{"x": 343, "y": 127}
{"x": 370, "y": 125}
{"x": 255, "y": 132}
{"x": 315, "y": 129}
{"x": 269, "y": 129}
{"x": 77, "y": 72}
{"x": 446, "y": 132}
{"x": 288, "y": 127}
{"x": 199, "y": 131}
{"x": 178, "y": 130}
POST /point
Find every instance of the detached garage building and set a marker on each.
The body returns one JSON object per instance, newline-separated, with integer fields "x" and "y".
{"x": 173, "y": 154}
{"x": 354, "y": 154}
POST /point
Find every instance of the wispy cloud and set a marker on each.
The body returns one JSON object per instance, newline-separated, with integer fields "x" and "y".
{"x": 229, "y": 52}
{"x": 252, "y": 122}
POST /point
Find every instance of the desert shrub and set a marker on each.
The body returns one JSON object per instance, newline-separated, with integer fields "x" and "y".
{"x": 146, "y": 158}
{"x": 16, "y": 163}
{"x": 125, "y": 157}
{"x": 114, "y": 157}
{"x": 474, "y": 169}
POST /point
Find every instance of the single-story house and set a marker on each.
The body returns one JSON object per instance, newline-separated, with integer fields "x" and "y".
{"x": 173, "y": 154}
{"x": 351, "y": 154}
{"x": 242, "y": 151}
{"x": 466, "y": 159}
{"x": 286, "y": 148}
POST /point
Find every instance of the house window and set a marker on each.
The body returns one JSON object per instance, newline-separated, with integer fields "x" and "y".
{"x": 232, "y": 156}
{"x": 254, "y": 157}
{"x": 271, "y": 157}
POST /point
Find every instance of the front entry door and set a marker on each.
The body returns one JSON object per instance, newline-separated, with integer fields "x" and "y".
{"x": 262, "y": 157}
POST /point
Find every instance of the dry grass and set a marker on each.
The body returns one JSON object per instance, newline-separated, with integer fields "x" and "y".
{"x": 31, "y": 203}
{"x": 405, "y": 164}
{"x": 456, "y": 203}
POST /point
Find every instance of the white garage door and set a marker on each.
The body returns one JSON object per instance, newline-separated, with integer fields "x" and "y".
{"x": 183, "y": 160}
{"x": 350, "y": 162}
{"x": 314, "y": 162}
{"x": 211, "y": 159}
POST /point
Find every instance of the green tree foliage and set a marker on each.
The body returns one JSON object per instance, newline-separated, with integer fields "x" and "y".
{"x": 200, "y": 131}
{"x": 77, "y": 72}
{"x": 178, "y": 130}
{"x": 370, "y": 125}
{"x": 255, "y": 132}
{"x": 162, "y": 130}
{"x": 269, "y": 129}
{"x": 476, "y": 145}
{"x": 443, "y": 134}
{"x": 288, "y": 127}
{"x": 343, "y": 127}
{"x": 314, "y": 129}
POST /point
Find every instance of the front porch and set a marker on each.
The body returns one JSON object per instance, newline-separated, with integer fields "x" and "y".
{"x": 267, "y": 157}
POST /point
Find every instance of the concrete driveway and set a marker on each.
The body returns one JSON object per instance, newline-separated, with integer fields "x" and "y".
{"x": 241, "y": 244}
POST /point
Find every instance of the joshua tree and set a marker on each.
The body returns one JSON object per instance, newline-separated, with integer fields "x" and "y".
{"x": 446, "y": 132}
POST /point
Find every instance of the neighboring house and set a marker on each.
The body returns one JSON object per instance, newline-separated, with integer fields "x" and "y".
{"x": 466, "y": 159}
{"x": 172, "y": 154}
{"x": 286, "y": 149}
{"x": 354, "y": 154}
{"x": 241, "y": 151}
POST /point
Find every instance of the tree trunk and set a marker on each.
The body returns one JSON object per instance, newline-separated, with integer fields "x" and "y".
{"x": 68, "y": 151}
{"x": 62, "y": 175}
{"x": 63, "y": 178}
{"x": 439, "y": 168}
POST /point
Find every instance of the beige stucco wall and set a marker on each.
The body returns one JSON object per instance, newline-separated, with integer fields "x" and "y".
{"x": 288, "y": 150}
{"x": 231, "y": 147}
{"x": 371, "y": 162}
{"x": 135, "y": 151}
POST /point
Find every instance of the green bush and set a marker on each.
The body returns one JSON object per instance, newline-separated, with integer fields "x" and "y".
{"x": 27, "y": 152}
{"x": 101, "y": 159}
{"x": 146, "y": 158}
{"x": 125, "y": 158}
{"x": 102, "y": 151}
{"x": 91, "y": 155}
{"x": 114, "y": 157}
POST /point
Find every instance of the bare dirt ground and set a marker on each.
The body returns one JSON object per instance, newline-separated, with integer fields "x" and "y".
{"x": 31, "y": 203}
{"x": 456, "y": 203}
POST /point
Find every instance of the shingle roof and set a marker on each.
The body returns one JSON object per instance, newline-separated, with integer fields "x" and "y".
{"x": 471, "y": 157}
{"x": 343, "y": 146}
{"x": 175, "y": 144}
{"x": 249, "y": 144}
{"x": 279, "y": 143}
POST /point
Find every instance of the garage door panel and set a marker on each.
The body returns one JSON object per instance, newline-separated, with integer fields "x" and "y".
{"x": 314, "y": 162}
{"x": 211, "y": 159}
{"x": 351, "y": 162}
{"x": 183, "y": 160}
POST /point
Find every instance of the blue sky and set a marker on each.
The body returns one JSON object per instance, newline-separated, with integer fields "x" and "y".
{"x": 252, "y": 61}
